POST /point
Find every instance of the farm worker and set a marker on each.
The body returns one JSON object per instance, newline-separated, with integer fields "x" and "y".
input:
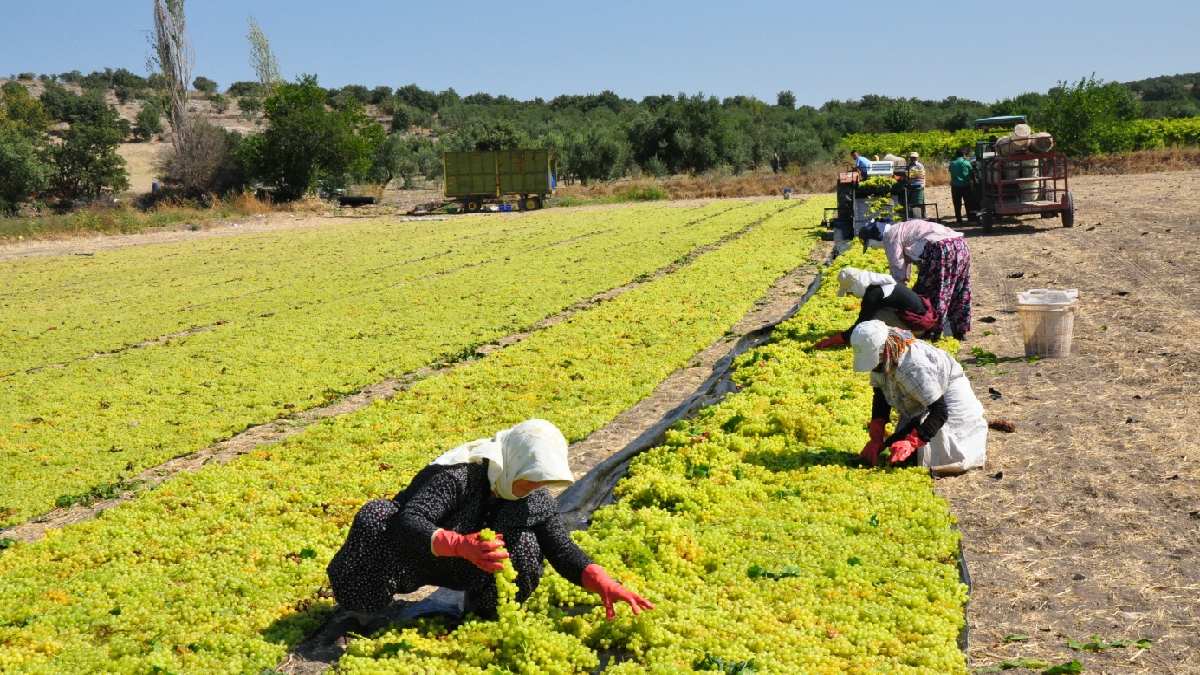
{"x": 428, "y": 534}
{"x": 882, "y": 298}
{"x": 916, "y": 183}
{"x": 940, "y": 423}
{"x": 861, "y": 163}
{"x": 944, "y": 268}
{"x": 960, "y": 184}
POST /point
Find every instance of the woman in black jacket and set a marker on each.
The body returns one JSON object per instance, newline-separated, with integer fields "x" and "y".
{"x": 880, "y": 293}
{"x": 428, "y": 534}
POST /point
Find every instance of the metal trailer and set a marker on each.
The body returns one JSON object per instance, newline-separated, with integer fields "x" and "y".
{"x": 1020, "y": 183}
{"x": 475, "y": 178}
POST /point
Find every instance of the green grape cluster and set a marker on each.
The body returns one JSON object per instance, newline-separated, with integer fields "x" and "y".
{"x": 222, "y": 570}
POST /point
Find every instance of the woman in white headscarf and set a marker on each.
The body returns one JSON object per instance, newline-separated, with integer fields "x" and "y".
{"x": 428, "y": 534}
{"x": 941, "y": 423}
{"x": 883, "y": 299}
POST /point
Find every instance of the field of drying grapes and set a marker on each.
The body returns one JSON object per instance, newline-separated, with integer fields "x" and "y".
{"x": 191, "y": 422}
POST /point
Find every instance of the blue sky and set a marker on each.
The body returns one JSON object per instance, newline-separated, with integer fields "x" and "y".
{"x": 527, "y": 49}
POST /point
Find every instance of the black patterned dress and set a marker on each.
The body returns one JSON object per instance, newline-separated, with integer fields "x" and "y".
{"x": 388, "y": 548}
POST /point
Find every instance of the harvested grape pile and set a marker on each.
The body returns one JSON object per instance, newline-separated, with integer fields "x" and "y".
{"x": 753, "y": 530}
{"x": 222, "y": 570}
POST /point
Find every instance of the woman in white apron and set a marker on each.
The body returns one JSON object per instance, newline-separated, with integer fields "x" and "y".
{"x": 941, "y": 423}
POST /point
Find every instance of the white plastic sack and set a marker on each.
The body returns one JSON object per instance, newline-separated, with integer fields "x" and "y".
{"x": 1048, "y": 296}
{"x": 857, "y": 281}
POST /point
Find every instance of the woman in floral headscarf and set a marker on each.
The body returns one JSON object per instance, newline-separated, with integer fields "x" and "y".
{"x": 941, "y": 423}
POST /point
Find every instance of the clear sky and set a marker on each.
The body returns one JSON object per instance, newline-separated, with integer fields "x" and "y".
{"x": 821, "y": 50}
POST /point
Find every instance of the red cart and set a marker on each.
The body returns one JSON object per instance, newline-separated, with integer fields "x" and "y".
{"x": 1020, "y": 183}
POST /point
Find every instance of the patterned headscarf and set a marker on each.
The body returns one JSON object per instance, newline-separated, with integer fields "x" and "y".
{"x": 894, "y": 346}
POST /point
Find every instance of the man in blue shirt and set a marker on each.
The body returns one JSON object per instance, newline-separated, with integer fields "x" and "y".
{"x": 861, "y": 163}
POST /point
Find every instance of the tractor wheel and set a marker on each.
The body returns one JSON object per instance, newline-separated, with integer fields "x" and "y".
{"x": 472, "y": 206}
{"x": 534, "y": 202}
{"x": 1068, "y": 212}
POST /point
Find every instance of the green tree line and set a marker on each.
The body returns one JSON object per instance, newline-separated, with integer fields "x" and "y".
{"x": 315, "y": 137}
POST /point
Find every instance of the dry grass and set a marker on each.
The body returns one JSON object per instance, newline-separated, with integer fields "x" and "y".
{"x": 1145, "y": 161}
{"x": 127, "y": 220}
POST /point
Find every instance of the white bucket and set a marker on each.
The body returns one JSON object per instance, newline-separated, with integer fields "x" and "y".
{"x": 1047, "y": 320}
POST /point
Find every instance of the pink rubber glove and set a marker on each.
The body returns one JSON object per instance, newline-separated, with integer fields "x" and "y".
{"x": 596, "y": 580}
{"x": 870, "y": 451}
{"x": 905, "y": 447}
{"x": 482, "y": 554}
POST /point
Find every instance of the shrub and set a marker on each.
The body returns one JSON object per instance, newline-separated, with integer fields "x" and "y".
{"x": 405, "y": 157}
{"x": 250, "y": 106}
{"x": 644, "y": 193}
{"x": 204, "y": 85}
{"x": 23, "y": 171}
{"x": 1086, "y": 117}
{"x": 219, "y": 103}
{"x": 87, "y": 163}
{"x": 305, "y": 143}
{"x": 206, "y": 163}
{"x": 20, "y": 109}
{"x": 241, "y": 89}
{"x": 149, "y": 121}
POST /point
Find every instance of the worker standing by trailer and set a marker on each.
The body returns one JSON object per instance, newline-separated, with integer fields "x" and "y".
{"x": 940, "y": 422}
{"x": 861, "y": 163}
{"x": 960, "y": 185}
{"x": 943, "y": 268}
{"x": 916, "y": 184}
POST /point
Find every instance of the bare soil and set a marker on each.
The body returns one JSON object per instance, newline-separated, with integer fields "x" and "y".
{"x": 1086, "y": 520}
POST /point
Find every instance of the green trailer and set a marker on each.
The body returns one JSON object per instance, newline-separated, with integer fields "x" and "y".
{"x": 475, "y": 178}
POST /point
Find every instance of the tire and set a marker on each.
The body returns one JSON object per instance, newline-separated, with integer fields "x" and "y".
{"x": 1068, "y": 212}
{"x": 534, "y": 202}
{"x": 472, "y": 206}
{"x": 988, "y": 220}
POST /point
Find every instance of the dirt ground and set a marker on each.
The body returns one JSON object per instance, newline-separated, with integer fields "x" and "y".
{"x": 1086, "y": 521}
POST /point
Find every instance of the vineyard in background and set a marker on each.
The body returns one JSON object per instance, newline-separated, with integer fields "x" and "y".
{"x": 1130, "y": 136}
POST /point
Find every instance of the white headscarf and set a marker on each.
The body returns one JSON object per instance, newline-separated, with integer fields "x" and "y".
{"x": 534, "y": 450}
{"x": 867, "y": 340}
{"x": 856, "y": 281}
